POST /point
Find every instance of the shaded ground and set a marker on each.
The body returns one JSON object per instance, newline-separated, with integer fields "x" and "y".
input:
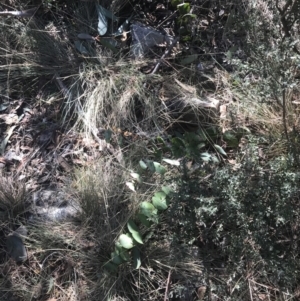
{"x": 47, "y": 134}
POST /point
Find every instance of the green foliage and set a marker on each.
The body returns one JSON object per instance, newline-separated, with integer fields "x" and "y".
{"x": 247, "y": 215}
{"x": 126, "y": 245}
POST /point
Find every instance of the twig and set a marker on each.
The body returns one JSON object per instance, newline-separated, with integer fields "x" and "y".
{"x": 20, "y": 13}
{"x": 167, "y": 287}
{"x": 164, "y": 55}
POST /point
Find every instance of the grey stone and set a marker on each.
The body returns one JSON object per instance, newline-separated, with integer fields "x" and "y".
{"x": 16, "y": 248}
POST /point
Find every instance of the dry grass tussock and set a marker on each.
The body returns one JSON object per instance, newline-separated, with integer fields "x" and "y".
{"x": 14, "y": 198}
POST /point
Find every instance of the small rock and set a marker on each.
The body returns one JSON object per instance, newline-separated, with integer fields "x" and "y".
{"x": 16, "y": 248}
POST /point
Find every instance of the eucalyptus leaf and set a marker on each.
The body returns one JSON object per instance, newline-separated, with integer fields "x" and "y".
{"x": 107, "y": 44}
{"x": 172, "y": 162}
{"x": 125, "y": 255}
{"x": 126, "y": 241}
{"x": 147, "y": 209}
{"x": 107, "y": 135}
{"x": 4, "y": 106}
{"x": 132, "y": 227}
{"x": 107, "y": 13}
{"x": 159, "y": 201}
{"x": 102, "y": 20}
{"x": 231, "y": 139}
{"x": 205, "y": 157}
{"x": 144, "y": 220}
{"x": 116, "y": 258}
{"x": 137, "y": 237}
{"x": 130, "y": 185}
{"x": 220, "y": 150}
{"x": 136, "y": 254}
{"x": 79, "y": 46}
{"x": 143, "y": 164}
{"x": 85, "y": 36}
{"x": 159, "y": 168}
{"x": 123, "y": 27}
{"x": 136, "y": 176}
{"x": 184, "y": 8}
{"x": 189, "y": 59}
{"x": 167, "y": 190}
{"x": 110, "y": 267}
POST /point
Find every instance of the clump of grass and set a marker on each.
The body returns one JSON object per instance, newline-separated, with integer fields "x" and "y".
{"x": 14, "y": 199}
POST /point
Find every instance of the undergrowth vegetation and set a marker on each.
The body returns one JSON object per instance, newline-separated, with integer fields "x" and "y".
{"x": 182, "y": 162}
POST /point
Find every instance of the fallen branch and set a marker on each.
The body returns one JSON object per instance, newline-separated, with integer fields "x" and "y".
{"x": 167, "y": 287}
{"x": 164, "y": 55}
{"x": 20, "y": 13}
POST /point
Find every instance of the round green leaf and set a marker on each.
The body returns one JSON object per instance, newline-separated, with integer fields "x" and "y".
{"x": 167, "y": 190}
{"x": 160, "y": 201}
{"x": 159, "y": 168}
{"x": 125, "y": 255}
{"x": 147, "y": 209}
{"x": 126, "y": 241}
{"x": 133, "y": 229}
{"x": 144, "y": 220}
{"x": 110, "y": 267}
{"x": 143, "y": 164}
{"x": 231, "y": 139}
{"x": 137, "y": 237}
{"x": 116, "y": 258}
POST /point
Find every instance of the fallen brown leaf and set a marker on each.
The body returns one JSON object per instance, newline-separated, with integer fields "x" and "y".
{"x": 201, "y": 292}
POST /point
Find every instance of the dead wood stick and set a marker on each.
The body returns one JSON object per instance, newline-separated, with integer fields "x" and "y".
{"x": 167, "y": 287}
{"x": 20, "y": 13}
{"x": 164, "y": 55}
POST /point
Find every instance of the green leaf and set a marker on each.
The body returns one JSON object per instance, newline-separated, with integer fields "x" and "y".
{"x": 160, "y": 200}
{"x": 116, "y": 258}
{"x": 172, "y": 162}
{"x": 126, "y": 241}
{"x": 175, "y": 2}
{"x": 214, "y": 159}
{"x": 136, "y": 258}
{"x": 150, "y": 165}
{"x": 130, "y": 185}
{"x": 125, "y": 255}
{"x": 143, "y": 164}
{"x": 102, "y": 20}
{"x": 147, "y": 209}
{"x": 200, "y": 146}
{"x": 205, "y": 157}
{"x": 133, "y": 229}
{"x": 107, "y": 135}
{"x": 108, "y": 45}
{"x": 159, "y": 168}
{"x": 184, "y": 8}
{"x": 202, "y": 135}
{"x": 123, "y": 27}
{"x": 144, "y": 220}
{"x": 105, "y": 12}
{"x": 81, "y": 48}
{"x": 220, "y": 150}
{"x": 167, "y": 190}
{"x": 137, "y": 237}
{"x": 4, "y": 106}
{"x": 231, "y": 139}
{"x": 136, "y": 176}
{"x": 189, "y": 59}
{"x": 178, "y": 147}
{"x": 110, "y": 267}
